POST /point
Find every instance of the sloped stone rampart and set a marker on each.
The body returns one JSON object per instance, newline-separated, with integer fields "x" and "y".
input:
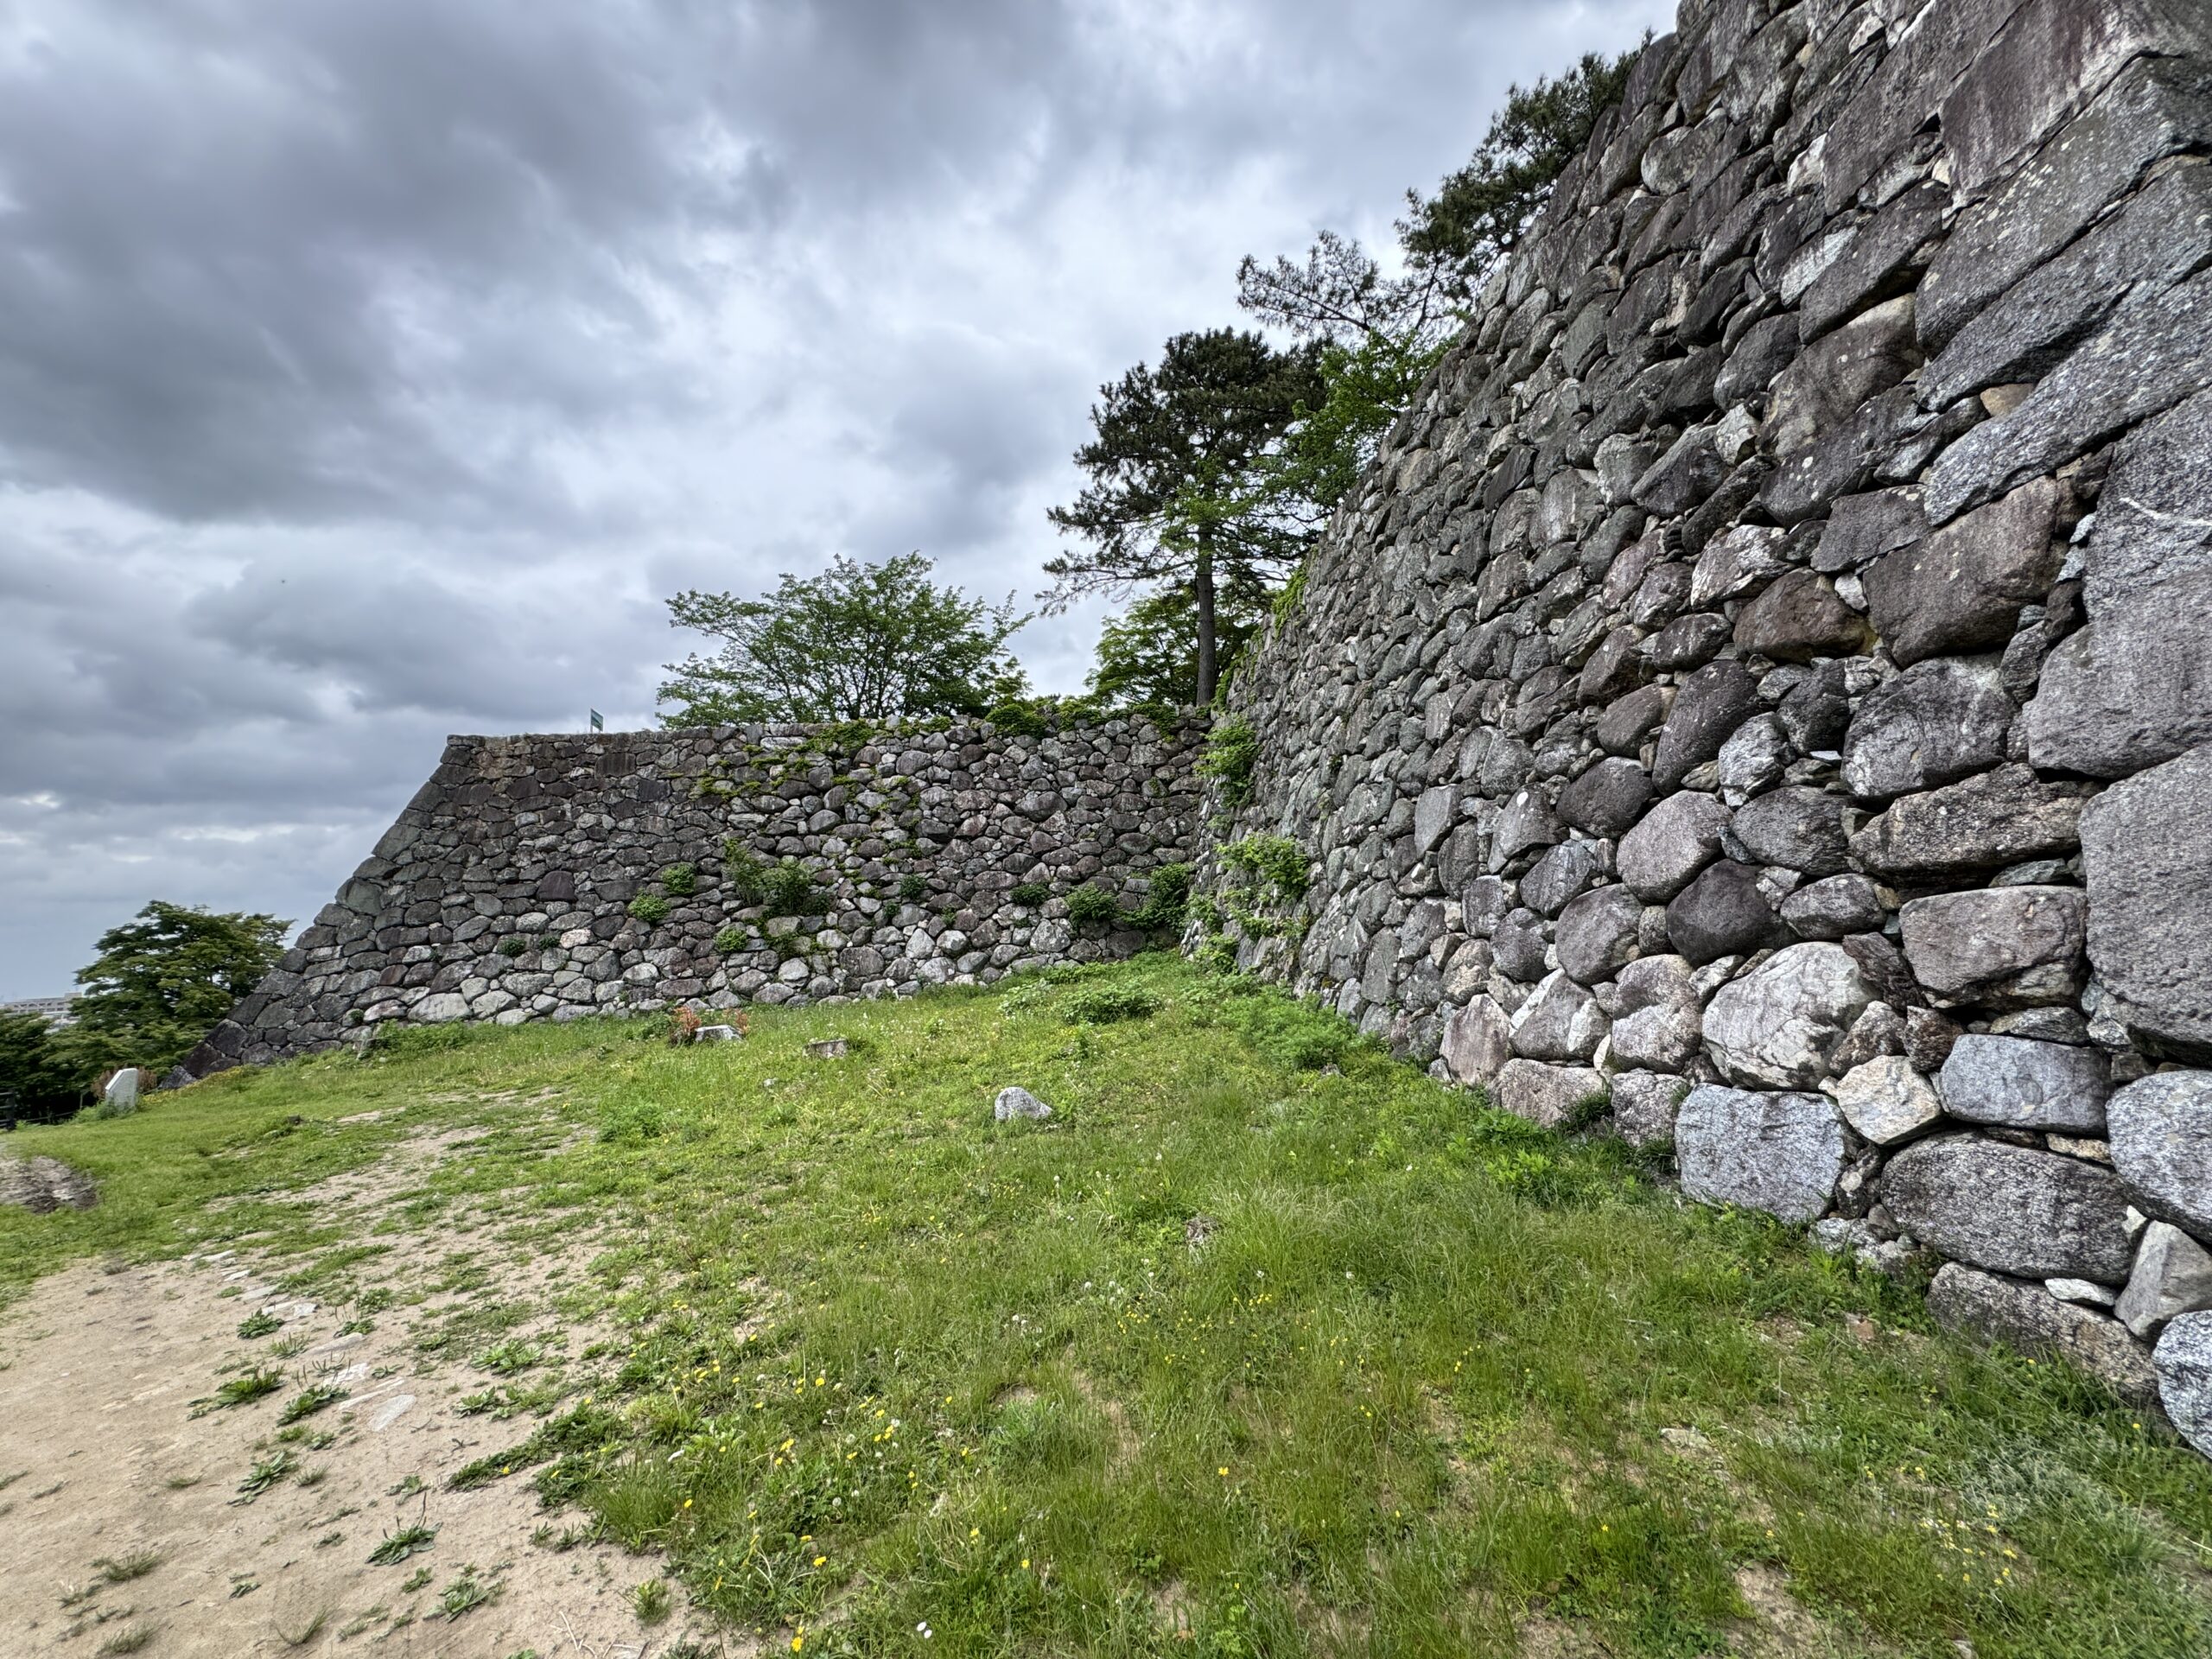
{"x": 506, "y": 890}
{"x": 1801, "y": 564}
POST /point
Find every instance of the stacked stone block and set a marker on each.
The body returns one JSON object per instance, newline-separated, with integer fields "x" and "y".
{"x": 506, "y": 890}
{"x": 1766, "y": 680}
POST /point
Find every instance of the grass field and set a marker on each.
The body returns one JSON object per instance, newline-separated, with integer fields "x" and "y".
{"x": 1261, "y": 1345}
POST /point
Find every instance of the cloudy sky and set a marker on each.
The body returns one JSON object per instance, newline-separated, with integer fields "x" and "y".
{"x": 372, "y": 371}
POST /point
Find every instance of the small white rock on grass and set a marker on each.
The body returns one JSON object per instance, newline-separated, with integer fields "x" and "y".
{"x": 1020, "y": 1103}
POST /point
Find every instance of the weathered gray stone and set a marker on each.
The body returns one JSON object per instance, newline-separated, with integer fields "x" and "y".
{"x": 2011, "y": 1210}
{"x": 1628, "y": 721}
{"x": 1777, "y": 1026}
{"x": 1017, "y": 1102}
{"x": 1526, "y": 824}
{"x": 1549, "y": 1094}
{"x": 1837, "y": 375}
{"x": 1862, "y": 528}
{"x": 2005, "y": 816}
{"x": 2026, "y": 1085}
{"x": 1711, "y": 704}
{"x": 1878, "y": 259}
{"x": 2143, "y": 856}
{"x": 1722, "y": 913}
{"x": 1597, "y": 933}
{"x": 1753, "y": 759}
{"x": 2153, "y": 353}
{"x": 1555, "y": 880}
{"x": 1685, "y": 475}
{"x": 1877, "y": 1033}
{"x": 1656, "y": 1023}
{"x": 1886, "y": 1101}
{"x": 1736, "y": 562}
{"x": 2029, "y": 1320}
{"x": 1678, "y": 838}
{"x": 2158, "y": 239}
{"x": 2160, "y": 1131}
{"x": 1644, "y": 1104}
{"x": 1560, "y": 1021}
{"x": 1800, "y": 829}
{"x": 1777, "y": 1153}
{"x": 2131, "y": 689}
{"x": 2152, "y": 109}
{"x": 1477, "y": 1041}
{"x": 1932, "y": 725}
{"x": 1962, "y": 588}
{"x": 1999, "y": 947}
{"x": 2172, "y": 1276}
{"x": 1896, "y": 100}
{"x": 1800, "y": 617}
{"x": 1434, "y": 811}
{"x": 1518, "y": 944}
{"x": 1843, "y": 458}
{"x": 2184, "y": 1360}
{"x": 1834, "y": 907}
{"x": 440, "y": 1008}
{"x": 1606, "y": 799}
{"x": 2154, "y": 519}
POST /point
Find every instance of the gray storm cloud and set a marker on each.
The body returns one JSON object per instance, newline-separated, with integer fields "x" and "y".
{"x": 369, "y": 372}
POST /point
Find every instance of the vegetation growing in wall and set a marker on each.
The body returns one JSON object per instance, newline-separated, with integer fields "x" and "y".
{"x": 1232, "y": 753}
{"x": 1267, "y": 877}
{"x": 1092, "y": 906}
{"x": 680, "y": 880}
{"x": 1030, "y": 894}
{"x": 649, "y": 908}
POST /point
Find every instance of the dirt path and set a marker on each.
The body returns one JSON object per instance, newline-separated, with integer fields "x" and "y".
{"x": 109, "y": 1465}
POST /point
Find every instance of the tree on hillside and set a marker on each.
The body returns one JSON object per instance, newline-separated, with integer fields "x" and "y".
{"x": 33, "y": 1067}
{"x": 1379, "y": 334}
{"x": 1148, "y": 655}
{"x": 859, "y": 642}
{"x": 1177, "y": 493}
{"x": 160, "y": 984}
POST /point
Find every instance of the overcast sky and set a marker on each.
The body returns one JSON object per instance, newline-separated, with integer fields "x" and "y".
{"x": 372, "y": 370}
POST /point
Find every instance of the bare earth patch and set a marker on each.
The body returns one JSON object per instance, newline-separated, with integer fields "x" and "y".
{"x": 136, "y": 1506}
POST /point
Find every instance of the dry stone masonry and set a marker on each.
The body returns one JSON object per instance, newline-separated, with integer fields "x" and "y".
{"x": 552, "y": 877}
{"x": 1767, "y": 683}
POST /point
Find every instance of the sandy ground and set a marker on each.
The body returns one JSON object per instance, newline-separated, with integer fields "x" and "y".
{"x": 106, "y": 1463}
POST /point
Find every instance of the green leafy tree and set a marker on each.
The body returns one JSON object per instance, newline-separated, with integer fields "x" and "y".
{"x": 1379, "y": 334}
{"x": 1177, "y": 492}
{"x": 1148, "y": 655}
{"x": 33, "y": 1065}
{"x": 859, "y": 642}
{"x": 160, "y": 984}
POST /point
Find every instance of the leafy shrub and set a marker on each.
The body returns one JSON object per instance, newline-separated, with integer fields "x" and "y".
{"x": 1232, "y": 751}
{"x": 649, "y": 908}
{"x": 1168, "y": 902}
{"x": 1023, "y": 717}
{"x": 1030, "y": 894}
{"x": 1091, "y": 905}
{"x": 680, "y": 879}
{"x": 743, "y": 872}
{"x": 1277, "y": 860}
{"x": 730, "y": 940}
{"x": 632, "y": 1122}
{"x": 513, "y": 947}
{"x": 788, "y": 888}
{"x": 912, "y": 888}
{"x": 1106, "y": 1005}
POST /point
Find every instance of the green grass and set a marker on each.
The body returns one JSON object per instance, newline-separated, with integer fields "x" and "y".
{"x": 884, "y": 1364}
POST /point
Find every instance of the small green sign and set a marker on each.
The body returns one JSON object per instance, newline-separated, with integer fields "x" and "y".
{"x": 598, "y": 720}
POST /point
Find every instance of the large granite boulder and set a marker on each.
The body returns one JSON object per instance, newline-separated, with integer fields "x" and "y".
{"x": 1644, "y": 1103}
{"x": 1723, "y": 913}
{"x": 2147, "y": 855}
{"x": 1606, "y": 799}
{"x": 1712, "y": 703}
{"x": 1886, "y": 1101}
{"x": 1834, "y": 907}
{"x": 1778, "y": 1152}
{"x": 2172, "y": 1276}
{"x": 1798, "y": 827}
{"x": 1549, "y": 1094}
{"x": 1932, "y": 725}
{"x": 1777, "y": 1026}
{"x": 1560, "y": 1021}
{"x": 1477, "y": 1040}
{"x": 1799, "y": 617}
{"x": 1598, "y": 933}
{"x": 2183, "y": 1359}
{"x": 1999, "y": 947}
{"x": 1962, "y": 588}
{"x": 2131, "y": 689}
{"x": 2003, "y": 816}
{"x": 1656, "y": 1023}
{"x": 1676, "y": 839}
{"x": 2154, "y": 519}
{"x": 2026, "y": 1085}
{"x": 2035, "y": 1215}
{"x": 2029, "y": 1319}
{"x": 2160, "y": 1128}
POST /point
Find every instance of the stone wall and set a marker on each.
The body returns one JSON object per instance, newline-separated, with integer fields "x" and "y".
{"x": 551, "y": 877}
{"x": 1767, "y": 681}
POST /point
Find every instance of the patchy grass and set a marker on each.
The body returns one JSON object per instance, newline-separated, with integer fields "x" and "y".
{"x": 1263, "y": 1344}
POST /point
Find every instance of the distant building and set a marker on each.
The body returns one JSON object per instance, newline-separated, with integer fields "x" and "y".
{"x": 56, "y": 1011}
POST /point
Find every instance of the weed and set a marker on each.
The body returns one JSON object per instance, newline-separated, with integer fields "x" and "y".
{"x": 1106, "y": 1005}
{"x": 290, "y": 1347}
{"x": 267, "y": 1471}
{"x": 680, "y": 880}
{"x": 514, "y": 946}
{"x": 130, "y": 1641}
{"x": 1232, "y": 753}
{"x": 649, "y": 908}
{"x": 465, "y": 1592}
{"x": 1167, "y": 902}
{"x": 788, "y": 888}
{"x": 419, "y": 1578}
{"x": 729, "y": 940}
{"x": 407, "y": 1486}
{"x": 307, "y": 1632}
{"x": 1031, "y": 894}
{"x": 316, "y": 1396}
{"x": 1091, "y": 906}
{"x": 121, "y": 1569}
{"x": 413, "y": 1539}
{"x": 913, "y": 888}
{"x": 260, "y": 1323}
{"x": 256, "y": 1383}
{"x": 652, "y": 1601}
